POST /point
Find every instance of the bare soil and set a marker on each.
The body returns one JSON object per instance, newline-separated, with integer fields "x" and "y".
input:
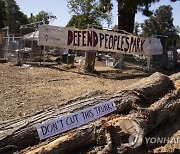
{"x": 25, "y": 90}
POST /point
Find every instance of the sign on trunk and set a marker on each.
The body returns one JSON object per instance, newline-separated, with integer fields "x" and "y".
{"x": 73, "y": 120}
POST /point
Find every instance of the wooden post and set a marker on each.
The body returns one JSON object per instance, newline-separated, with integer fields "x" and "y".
{"x": 44, "y": 55}
{"x": 165, "y": 56}
{"x": 89, "y": 61}
{"x": 175, "y": 55}
{"x": 1, "y": 43}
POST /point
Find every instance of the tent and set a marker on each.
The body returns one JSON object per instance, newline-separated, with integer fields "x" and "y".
{"x": 32, "y": 36}
{"x": 153, "y": 46}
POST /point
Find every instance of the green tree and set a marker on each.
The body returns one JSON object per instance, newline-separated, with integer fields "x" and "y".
{"x": 161, "y": 23}
{"x": 47, "y": 17}
{"x": 2, "y": 14}
{"x": 127, "y": 10}
{"x": 92, "y": 12}
{"x": 15, "y": 18}
{"x": 81, "y": 21}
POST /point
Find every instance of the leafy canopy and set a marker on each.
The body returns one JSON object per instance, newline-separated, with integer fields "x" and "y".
{"x": 92, "y": 12}
{"x": 139, "y": 5}
{"x": 47, "y": 17}
{"x": 161, "y": 23}
{"x": 2, "y": 14}
{"x": 127, "y": 10}
{"x": 14, "y": 17}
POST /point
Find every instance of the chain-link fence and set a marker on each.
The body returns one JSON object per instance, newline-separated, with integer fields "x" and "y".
{"x": 9, "y": 48}
{"x": 21, "y": 48}
{"x": 24, "y": 48}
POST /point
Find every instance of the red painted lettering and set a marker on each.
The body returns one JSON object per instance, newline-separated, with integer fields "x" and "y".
{"x": 95, "y": 39}
{"x": 70, "y": 37}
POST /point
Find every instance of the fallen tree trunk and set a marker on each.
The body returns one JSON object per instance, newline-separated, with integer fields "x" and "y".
{"x": 175, "y": 76}
{"x": 15, "y": 134}
{"x": 176, "y": 79}
{"x": 145, "y": 121}
{"x": 115, "y": 129}
{"x": 164, "y": 132}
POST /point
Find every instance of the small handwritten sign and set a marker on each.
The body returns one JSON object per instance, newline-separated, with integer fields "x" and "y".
{"x": 70, "y": 121}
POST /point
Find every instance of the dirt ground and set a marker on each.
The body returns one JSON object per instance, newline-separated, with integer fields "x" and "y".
{"x": 25, "y": 90}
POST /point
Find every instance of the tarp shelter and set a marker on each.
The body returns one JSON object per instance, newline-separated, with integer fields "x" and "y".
{"x": 153, "y": 46}
{"x": 32, "y": 36}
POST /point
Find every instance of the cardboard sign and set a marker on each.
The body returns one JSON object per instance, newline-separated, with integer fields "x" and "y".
{"x": 70, "y": 121}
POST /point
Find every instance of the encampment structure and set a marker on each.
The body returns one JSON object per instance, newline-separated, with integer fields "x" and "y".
{"x": 145, "y": 53}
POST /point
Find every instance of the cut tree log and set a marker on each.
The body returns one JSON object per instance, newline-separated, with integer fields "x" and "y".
{"x": 158, "y": 114}
{"x": 164, "y": 132}
{"x": 113, "y": 130}
{"x": 175, "y": 76}
{"x": 145, "y": 121}
{"x": 176, "y": 79}
{"x": 17, "y": 134}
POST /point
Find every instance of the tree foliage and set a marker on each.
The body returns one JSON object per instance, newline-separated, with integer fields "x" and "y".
{"x": 10, "y": 15}
{"x": 47, "y": 17}
{"x": 161, "y": 23}
{"x": 92, "y": 12}
{"x": 82, "y": 21}
{"x": 15, "y": 18}
{"x": 2, "y": 14}
{"x": 127, "y": 10}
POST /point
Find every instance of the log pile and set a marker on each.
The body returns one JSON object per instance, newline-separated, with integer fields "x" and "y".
{"x": 148, "y": 109}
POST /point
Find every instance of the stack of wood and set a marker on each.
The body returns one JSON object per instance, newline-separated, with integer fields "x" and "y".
{"x": 148, "y": 109}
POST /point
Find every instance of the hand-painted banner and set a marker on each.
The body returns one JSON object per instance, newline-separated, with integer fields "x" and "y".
{"x": 93, "y": 39}
{"x": 73, "y": 120}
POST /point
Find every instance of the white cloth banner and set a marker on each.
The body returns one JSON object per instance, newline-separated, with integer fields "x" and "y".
{"x": 93, "y": 39}
{"x": 73, "y": 120}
